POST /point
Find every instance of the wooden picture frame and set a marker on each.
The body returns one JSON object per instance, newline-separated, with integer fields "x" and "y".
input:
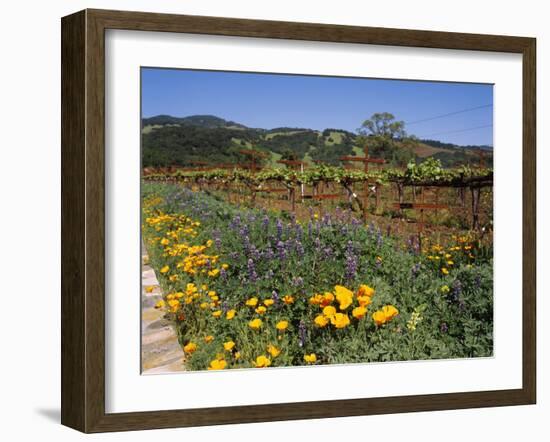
{"x": 83, "y": 219}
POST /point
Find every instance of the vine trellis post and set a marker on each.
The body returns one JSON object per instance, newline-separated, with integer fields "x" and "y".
{"x": 366, "y": 160}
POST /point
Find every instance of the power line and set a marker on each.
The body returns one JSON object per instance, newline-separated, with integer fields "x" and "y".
{"x": 449, "y": 114}
{"x": 456, "y": 131}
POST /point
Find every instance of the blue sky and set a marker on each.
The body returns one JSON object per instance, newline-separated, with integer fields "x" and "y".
{"x": 275, "y": 100}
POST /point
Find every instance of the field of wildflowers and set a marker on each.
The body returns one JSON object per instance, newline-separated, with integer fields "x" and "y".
{"x": 251, "y": 288}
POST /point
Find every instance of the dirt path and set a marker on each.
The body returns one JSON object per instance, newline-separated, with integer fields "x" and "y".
{"x": 160, "y": 349}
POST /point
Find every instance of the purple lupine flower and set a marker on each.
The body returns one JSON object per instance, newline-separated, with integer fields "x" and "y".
{"x": 351, "y": 262}
{"x": 309, "y": 229}
{"x": 275, "y": 297}
{"x": 217, "y": 239}
{"x": 246, "y": 244}
{"x": 223, "y": 274}
{"x": 410, "y": 242}
{"x": 299, "y": 232}
{"x": 244, "y": 231}
{"x": 235, "y": 222}
{"x": 444, "y": 328}
{"x": 477, "y": 281}
{"x": 252, "y": 276}
{"x": 328, "y": 253}
{"x": 415, "y": 270}
{"x": 297, "y": 281}
{"x": 371, "y": 229}
{"x": 225, "y": 307}
{"x": 254, "y": 253}
{"x": 279, "y": 225}
{"x": 281, "y": 250}
{"x": 456, "y": 290}
{"x": 265, "y": 223}
{"x": 302, "y": 333}
{"x": 268, "y": 252}
{"x": 299, "y": 249}
{"x": 379, "y": 239}
{"x": 317, "y": 242}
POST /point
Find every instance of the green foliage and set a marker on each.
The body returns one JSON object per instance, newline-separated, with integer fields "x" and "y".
{"x": 168, "y": 141}
{"x": 429, "y": 171}
{"x": 383, "y": 124}
{"x": 441, "y": 314}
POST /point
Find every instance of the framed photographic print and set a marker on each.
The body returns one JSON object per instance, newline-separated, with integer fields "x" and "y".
{"x": 268, "y": 220}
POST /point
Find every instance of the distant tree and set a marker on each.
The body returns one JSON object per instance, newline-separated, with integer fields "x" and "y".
{"x": 383, "y": 124}
{"x": 386, "y": 138}
{"x": 288, "y": 154}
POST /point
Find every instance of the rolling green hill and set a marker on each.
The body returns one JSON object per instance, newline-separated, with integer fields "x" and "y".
{"x": 199, "y": 139}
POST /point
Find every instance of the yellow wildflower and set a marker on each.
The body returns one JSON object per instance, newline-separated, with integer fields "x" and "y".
{"x": 327, "y": 299}
{"x": 273, "y": 351}
{"x": 262, "y": 361}
{"x": 217, "y": 364}
{"x": 287, "y": 299}
{"x": 321, "y": 321}
{"x": 261, "y": 310}
{"x": 255, "y": 324}
{"x": 340, "y": 320}
{"x": 228, "y": 346}
{"x": 282, "y": 325}
{"x": 165, "y": 269}
{"x": 379, "y": 317}
{"x": 311, "y": 358}
{"x": 390, "y": 311}
{"x": 364, "y": 300}
{"x": 329, "y": 311}
{"x": 387, "y": 313}
{"x": 190, "y": 348}
{"x": 230, "y": 314}
{"x": 269, "y": 302}
{"x": 217, "y": 313}
{"x": 208, "y": 339}
{"x": 365, "y": 290}
{"x": 343, "y": 296}
{"x": 252, "y": 302}
{"x": 160, "y": 304}
{"x": 359, "y": 312}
